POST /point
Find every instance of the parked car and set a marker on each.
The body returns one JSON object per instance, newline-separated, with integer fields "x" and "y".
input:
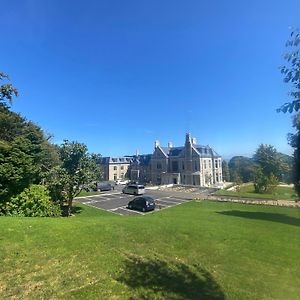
{"x": 142, "y": 203}
{"x": 134, "y": 189}
{"x": 104, "y": 186}
{"x": 121, "y": 181}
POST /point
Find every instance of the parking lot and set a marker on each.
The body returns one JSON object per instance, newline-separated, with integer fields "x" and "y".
{"x": 116, "y": 202}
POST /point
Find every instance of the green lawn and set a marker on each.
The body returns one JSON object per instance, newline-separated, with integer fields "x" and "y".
{"x": 84, "y": 193}
{"x": 247, "y": 191}
{"x": 198, "y": 250}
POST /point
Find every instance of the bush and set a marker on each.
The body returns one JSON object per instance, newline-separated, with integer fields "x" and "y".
{"x": 33, "y": 202}
{"x": 264, "y": 184}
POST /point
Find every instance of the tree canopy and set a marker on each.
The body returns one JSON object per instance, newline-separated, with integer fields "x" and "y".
{"x": 28, "y": 158}
{"x": 241, "y": 167}
{"x": 78, "y": 170}
{"x": 7, "y": 91}
{"x": 291, "y": 72}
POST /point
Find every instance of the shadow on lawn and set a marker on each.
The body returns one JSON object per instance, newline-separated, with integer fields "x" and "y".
{"x": 280, "y": 218}
{"x": 158, "y": 279}
{"x": 75, "y": 210}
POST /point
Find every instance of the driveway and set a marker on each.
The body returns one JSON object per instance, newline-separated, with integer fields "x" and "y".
{"x": 116, "y": 202}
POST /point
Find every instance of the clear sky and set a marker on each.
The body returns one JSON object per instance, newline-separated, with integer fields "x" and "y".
{"x": 117, "y": 75}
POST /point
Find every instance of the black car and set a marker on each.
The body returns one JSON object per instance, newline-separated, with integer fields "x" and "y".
{"x": 142, "y": 203}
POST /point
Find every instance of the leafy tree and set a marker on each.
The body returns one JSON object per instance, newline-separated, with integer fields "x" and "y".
{"x": 25, "y": 155}
{"x": 294, "y": 140}
{"x": 291, "y": 73}
{"x": 236, "y": 179}
{"x": 79, "y": 170}
{"x": 270, "y": 161}
{"x": 7, "y": 91}
{"x": 264, "y": 183}
{"x": 269, "y": 168}
{"x": 242, "y": 167}
{"x": 287, "y": 172}
{"x": 225, "y": 171}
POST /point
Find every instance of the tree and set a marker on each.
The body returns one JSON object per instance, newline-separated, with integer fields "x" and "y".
{"x": 7, "y": 91}
{"x": 264, "y": 183}
{"x": 25, "y": 155}
{"x": 291, "y": 74}
{"x": 269, "y": 160}
{"x": 79, "y": 170}
{"x": 242, "y": 167}
{"x": 236, "y": 179}
{"x": 294, "y": 140}
{"x": 225, "y": 171}
{"x": 25, "y": 152}
{"x": 269, "y": 168}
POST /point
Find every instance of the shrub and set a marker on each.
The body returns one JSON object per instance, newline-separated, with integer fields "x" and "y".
{"x": 33, "y": 202}
{"x": 264, "y": 183}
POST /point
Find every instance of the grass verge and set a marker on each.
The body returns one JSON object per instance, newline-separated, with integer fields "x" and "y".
{"x": 247, "y": 191}
{"x": 198, "y": 250}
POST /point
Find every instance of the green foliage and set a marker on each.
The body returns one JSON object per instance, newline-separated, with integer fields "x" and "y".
{"x": 264, "y": 184}
{"x": 294, "y": 140}
{"x": 225, "y": 171}
{"x": 271, "y": 162}
{"x": 291, "y": 73}
{"x": 7, "y": 91}
{"x": 287, "y": 172}
{"x": 25, "y": 154}
{"x": 34, "y": 201}
{"x": 79, "y": 170}
{"x": 242, "y": 167}
{"x": 269, "y": 170}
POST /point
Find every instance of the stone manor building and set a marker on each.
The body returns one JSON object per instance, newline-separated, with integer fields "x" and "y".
{"x": 191, "y": 164}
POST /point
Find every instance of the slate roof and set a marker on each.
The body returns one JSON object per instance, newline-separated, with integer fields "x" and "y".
{"x": 116, "y": 160}
{"x": 143, "y": 159}
{"x": 204, "y": 151}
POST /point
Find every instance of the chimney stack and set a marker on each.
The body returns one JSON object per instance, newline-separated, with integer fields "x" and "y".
{"x": 156, "y": 143}
{"x": 170, "y": 145}
{"x": 194, "y": 141}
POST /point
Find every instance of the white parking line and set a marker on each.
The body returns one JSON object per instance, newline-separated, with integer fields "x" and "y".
{"x": 169, "y": 201}
{"x": 99, "y": 195}
{"x": 124, "y": 208}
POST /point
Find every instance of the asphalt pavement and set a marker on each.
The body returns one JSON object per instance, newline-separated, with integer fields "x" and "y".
{"x": 116, "y": 202}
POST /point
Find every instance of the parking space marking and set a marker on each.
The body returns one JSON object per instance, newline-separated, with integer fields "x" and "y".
{"x": 115, "y": 202}
{"x": 169, "y": 201}
{"x": 124, "y": 208}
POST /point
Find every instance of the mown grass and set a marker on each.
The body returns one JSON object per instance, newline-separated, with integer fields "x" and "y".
{"x": 247, "y": 191}
{"x": 198, "y": 250}
{"x": 84, "y": 193}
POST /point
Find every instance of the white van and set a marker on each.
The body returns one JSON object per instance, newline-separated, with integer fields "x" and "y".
{"x": 134, "y": 189}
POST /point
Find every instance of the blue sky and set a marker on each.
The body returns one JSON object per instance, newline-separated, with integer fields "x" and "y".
{"x": 118, "y": 75}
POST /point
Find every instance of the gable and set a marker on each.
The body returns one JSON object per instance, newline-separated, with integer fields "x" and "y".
{"x": 158, "y": 153}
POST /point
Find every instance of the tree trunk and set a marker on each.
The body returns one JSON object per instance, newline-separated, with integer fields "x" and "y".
{"x": 70, "y": 207}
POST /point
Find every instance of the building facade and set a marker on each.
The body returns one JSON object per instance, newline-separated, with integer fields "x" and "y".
{"x": 115, "y": 168}
{"x": 191, "y": 164}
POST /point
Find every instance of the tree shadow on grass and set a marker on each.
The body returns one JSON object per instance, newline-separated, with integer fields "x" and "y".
{"x": 75, "y": 210}
{"x": 158, "y": 279}
{"x": 273, "y": 217}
